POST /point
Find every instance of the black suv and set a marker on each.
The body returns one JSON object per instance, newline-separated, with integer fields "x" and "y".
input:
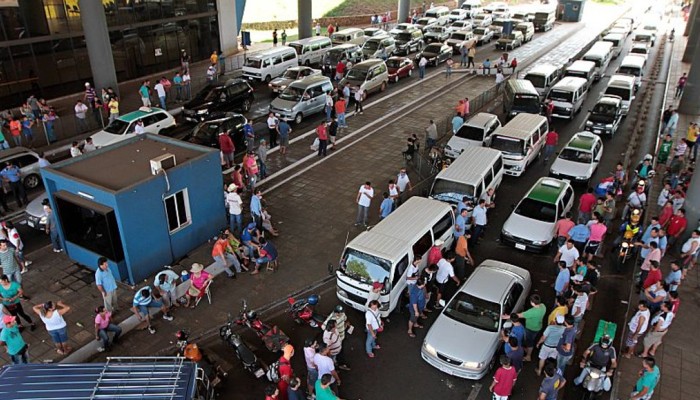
{"x": 235, "y": 94}
{"x": 408, "y": 42}
{"x": 206, "y": 133}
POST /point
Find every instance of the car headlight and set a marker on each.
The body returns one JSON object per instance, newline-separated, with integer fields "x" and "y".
{"x": 506, "y": 233}
{"x": 429, "y": 349}
{"x": 517, "y": 168}
{"x": 472, "y": 364}
{"x": 342, "y": 293}
{"x": 582, "y": 178}
{"x": 567, "y": 108}
{"x": 448, "y": 147}
{"x": 384, "y": 307}
{"x": 589, "y": 123}
{"x": 43, "y": 220}
{"x": 432, "y": 58}
{"x": 203, "y": 111}
{"x": 609, "y": 126}
{"x": 539, "y": 242}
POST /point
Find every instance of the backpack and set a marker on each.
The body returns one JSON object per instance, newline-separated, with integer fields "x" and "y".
{"x": 273, "y": 373}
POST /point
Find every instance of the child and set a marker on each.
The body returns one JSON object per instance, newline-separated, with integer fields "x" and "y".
{"x": 503, "y": 380}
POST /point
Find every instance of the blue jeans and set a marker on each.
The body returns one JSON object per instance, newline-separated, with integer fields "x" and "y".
{"x": 478, "y": 230}
{"x": 421, "y": 72}
{"x": 59, "y": 335}
{"x": 18, "y": 139}
{"x": 548, "y": 151}
{"x": 341, "y": 120}
{"x": 328, "y": 112}
{"x": 562, "y": 361}
{"x": 104, "y": 336}
{"x": 49, "y": 131}
{"x": 162, "y": 102}
{"x": 235, "y": 223}
{"x": 20, "y": 358}
{"x": 262, "y": 169}
{"x": 370, "y": 343}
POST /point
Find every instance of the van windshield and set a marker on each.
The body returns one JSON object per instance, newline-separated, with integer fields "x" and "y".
{"x": 451, "y": 192}
{"x": 480, "y": 31}
{"x": 577, "y": 74}
{"x": 253, "y": 63}
{"x": 630, "y": 71}
{"x": 475, "y": 312}
{"x": 596, "y": 60}
{"x": 298, "y": 47}
{"x": 357, "y": 74}
{"x": 292, "y": 94}
{"x": 471, "y": 133}
{"x": 364, "y": 267}
{"x": 538, "y": 81}
{"x": 458, "y": 36}
{"x": 537, "y": 210}
{"x": 508, "y": 145}
{"x": 622, "y": 92}
{"x": 371, "y": 45}
{"x": 559, "y": 95}
{"x": 527, "y": 103}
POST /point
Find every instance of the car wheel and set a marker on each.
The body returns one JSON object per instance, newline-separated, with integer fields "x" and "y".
{"x": 31, "y": 181}
{"x": 410, "y": 72}
{"x": 307, "y": 63}
{"x": 396, "y": 79}
{"x": 298, "y": 118}
{"x": 383, "y": 88}
{"x": 246, "y": 105}
{"x": 268, "y": 79}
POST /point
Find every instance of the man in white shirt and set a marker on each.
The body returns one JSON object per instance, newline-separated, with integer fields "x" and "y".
{"x": 445, "y": 272}
{"x": 373, "y": 322}
{"x": 234, "y": 203}
{"x": 413, "y": 271}
{"x": 88, "y": 146}
{"x": 580, "y": 304}
{"x": 324, "y": 364}
{"x": 403, "y": 181}
{"x": 479, "y": 221}
{"x": 421, "y": 67}
{"x": 272, "y": 122}
{"x": 75, "y": 150}
{"x": 138, "y": 128}
{"x": 567, "y": 253}
{"x": 160, "y": 90}
{"x": 80, "y": 115}
{"x": 636, "y": 327}
{"x": 660, "y": 323}
{"x": 364, "y": 199}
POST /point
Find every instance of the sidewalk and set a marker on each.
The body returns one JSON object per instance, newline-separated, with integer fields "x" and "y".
{"x": 678, "y": 358}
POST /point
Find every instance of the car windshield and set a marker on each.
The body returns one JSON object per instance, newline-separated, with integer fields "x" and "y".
{"x": 603, "y": 113}
{"x": 630, "y": 71}
{"x": 510, "y": 36}
{"x": 435, "y": 29}
{"x": 212, "y": 95}
{"x": 204, "y": 131}
{"x": 292, "y": 93}
{"x": 639, "y": 50}
{"x": 475, "y": 312}
{"x": 298, "y": 47}
{"x": 403, "y": 37}
{"x": 537, "y": 80}
{"x": 576, "y": 156}
{"x": 498, "y": 22}
{"x": 622, "y": 92}
{"x": 460, "y": 24}
{"x": 471, "y": 133}
{"x": 423, "y": 22}
{"x": 357, "y": 74}
{"x": 508, "y": 145}
{"x": 479, "y": 31}
{"x": 393, "y": 63}
{"x": 117, "y": 127}
{"x": 364, "y": 267}
{"x": 334, "y": 55}
{"x": 290, "y": 74}
{"x": 253, "y": 63}
{"x": 371, "y": 45}
{"x": 558, "y": 95}
{"x": 458, "y": 36}
{"x": 527, "y": 103}
{"x": 537, "y": 210}
{"x": 433, "y": 48}
{"x": 451, "y": 192}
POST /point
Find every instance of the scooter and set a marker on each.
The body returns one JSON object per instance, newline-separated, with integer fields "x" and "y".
{"x": 273, "y": 337}
{"x": 594, "y": 383}
{"x": 244, "y": 354}
{"x": 192, "y": 352}
{"x": 302, "y": 311}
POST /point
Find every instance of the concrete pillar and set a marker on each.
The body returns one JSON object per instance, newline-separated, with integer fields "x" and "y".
{"x": 694, "y": 36}
{"x": 92, "y": 16}
{"x": 691, "y": 17}
{"x": 404, "y": 11}
{"x": 689, "y": 103}
{"x": 305, "y": 19}
{"x": 228, "y": 26}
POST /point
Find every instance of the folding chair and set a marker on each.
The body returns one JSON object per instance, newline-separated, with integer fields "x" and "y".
{"x": 206, "y": 291}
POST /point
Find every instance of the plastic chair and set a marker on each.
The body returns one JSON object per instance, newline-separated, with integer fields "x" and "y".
{"x": 206, "y": 291}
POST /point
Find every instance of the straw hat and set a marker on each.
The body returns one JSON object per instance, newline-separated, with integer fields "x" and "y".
{"x": 197, "y": 267}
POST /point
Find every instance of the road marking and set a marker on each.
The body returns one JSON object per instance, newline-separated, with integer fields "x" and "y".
{"x": 475, "y": 391}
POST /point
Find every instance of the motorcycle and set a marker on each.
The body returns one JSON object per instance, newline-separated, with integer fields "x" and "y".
{"x": 594, "y": 383}
{"x": 244, "y": 354}
{"x": 192, "y": 352}
{"x": 302, "y": 311}
{"x": 273, "y": 337}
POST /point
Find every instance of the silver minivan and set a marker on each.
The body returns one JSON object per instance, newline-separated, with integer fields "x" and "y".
{"x": 371, "y": 75}
{"x": 568, "y": 96}
{"x": 474, "y": 132}
{"x": 311, "y": 50}
{"x": 302, "y": 98}
{"x": 582, "y": 69}
{"x": 349, "y": 35}
{"x": 376, "y": 46}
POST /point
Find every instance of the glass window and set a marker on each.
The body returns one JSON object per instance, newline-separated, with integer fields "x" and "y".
{"x": 25, "y": 160}
{"x": 422, "y": 245}
{"x": 513, "y": 297}
{"x": 443, "y": 225}
{"x": 177, "y": 208}
{"x": 475, "y": 312}
{"x": 400, "y": 270}
{"x": 488, "y": 178}
{"x": 498, "y": 165}
{"x": 568, "y": 195}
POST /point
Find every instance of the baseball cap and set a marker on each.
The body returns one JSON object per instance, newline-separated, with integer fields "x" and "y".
{"x": 560, "y": 319}
{"x": 377, "y": 285}
{"x": 8, "y": 319}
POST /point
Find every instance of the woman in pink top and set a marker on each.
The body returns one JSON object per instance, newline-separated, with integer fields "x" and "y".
{"x": 597, "y": 230}
{"x": 103, "y": 325}
{"x": 199, "y": 280}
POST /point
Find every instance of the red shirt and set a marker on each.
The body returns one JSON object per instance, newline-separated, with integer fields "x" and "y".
{"x": 665, "y": 216}
{"x": 675, "y": 304}
{"x": 285, "y": 370}
{"x": 676, "y": 225}
{"x": 434, "y": 255}
{"x": 340, "y": 106}
{"x": 586, "y": 202}
{"x": 563, "y": 227}
{"x": 340, "y": 67}
{"x": 322, "y": 132}
{"x": 226, "y": 144}
{"x": 653, "y": 277}
{"x": 551, "y": 139}
{"x": 505, "y": 379}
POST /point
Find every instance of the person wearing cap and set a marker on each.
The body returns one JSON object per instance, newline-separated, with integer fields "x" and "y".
{"x": 52, "y": 316}
{"x": 227, "y": 147}
{"x": 144, "y": 299}
{"x": 10, "y": 295}
{"x": 199, "y": 280}
{"x": 435, "y": 252}
{"x": 272, "y": 122}
{"x": 234, "y": 204}
{"x": 11, "y": 338}
{"x": 548, "y": 342}
{"x": 262, "y": 158}
{"x": 106, "y": 284}
{"x": 104, "y": 325}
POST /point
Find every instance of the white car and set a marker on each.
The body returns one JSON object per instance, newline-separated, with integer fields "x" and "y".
{"x": 579, "y": 159}
{"x": 464, "y": 25}
{"x": 495, "y": 6}
{"x": 465, "y": 337}
{"x": 403, "y": 27}
{"x": 530, "y": 227}
{"x": 155, "y": 120}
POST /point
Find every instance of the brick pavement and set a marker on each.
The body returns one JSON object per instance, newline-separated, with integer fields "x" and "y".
{"x": 678, "y": 358}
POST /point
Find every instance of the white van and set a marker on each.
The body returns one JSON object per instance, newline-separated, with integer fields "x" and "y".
{"x": 384, "y": 253}
{"x": 617, "y": 40}
{"x": 647, "y": 37}
{"x": 441, "y": 13}
{"x": 311, "y": 50}
{"x": 521, "y": 141}
{"x": 543, "y": 77}
{"x": 473, "y": 6}
{"x": 476, "y": 170}
{"x": 349, "y": 35}
{"x": 600, "y": 53}
{"x": 568, "y": 96}
{"x": 582, "y": 69}
{"x": 474, "y": 132}
{"x": 623, "y": 86}
{"x": 633, "y": 65}
{"x": 270, "y": 63}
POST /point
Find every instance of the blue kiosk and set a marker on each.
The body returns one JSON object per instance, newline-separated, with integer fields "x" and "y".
{"x": 141, "y": 203}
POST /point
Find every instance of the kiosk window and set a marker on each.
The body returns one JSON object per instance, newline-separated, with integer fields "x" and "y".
{"x": 177, "y": 208}
{"x": 91, "y": 227}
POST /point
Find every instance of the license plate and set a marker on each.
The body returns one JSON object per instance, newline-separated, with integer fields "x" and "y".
{"x": 520, "y": 246}
{"x": 259, "y": 373}
{"x": 596, "y": 130}
{"x": 30, "y": 223}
